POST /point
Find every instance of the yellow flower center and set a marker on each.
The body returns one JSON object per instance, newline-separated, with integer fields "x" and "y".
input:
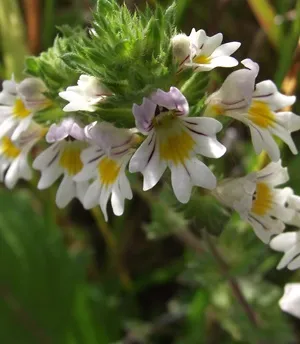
{"x": 261, "y": 115}
{"x": 108, "y": 171}
{"x": 70, "y": 159}
{"x": 263, "y": 199}
{"x": 8, "y": 149}
{"x": 176, "y": 147}
{"x": 20, "y": 110}
{"x": 202, "y": 59}
{"x": 217, "y": 109}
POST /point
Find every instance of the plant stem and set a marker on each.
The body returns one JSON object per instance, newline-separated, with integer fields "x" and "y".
{"x": 190, "y": 240}
{"x": 112, "y": 246}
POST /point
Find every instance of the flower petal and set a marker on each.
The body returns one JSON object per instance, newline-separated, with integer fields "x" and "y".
{"x": 226, "y": 49}
{"x": 284, "y": 241}
{"x": 66, "y": 192}
{"x": 92, "y": 196}
{"x": 267, "y": 92}
{"x": 181, "y": 182}
{"x": 144, "y": 114}
{"x": 200, "y": 174}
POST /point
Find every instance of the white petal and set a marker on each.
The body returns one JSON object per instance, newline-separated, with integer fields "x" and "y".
{"x": 142, "y": 155}
{"x": 153, "y": 171}
{"x": 181, "y": 182}
{"x": 104, "y": 196}
{"x": 22, "y": 126}
{"x": 267, "y": 92}
{"x": 268, "y": 143}
{"x": 288, "y": 256}
{"x": 290, "y": 301}
{"x": 211, "y": 44}
{"x": 208, "y": 126}
{"x": 222, "y": 61}
{"x": 12, "y": 174}
{"x": 48, "y": 157}
{"x": 125, "y": 186}
{"x": 91, "y": 198}
{"x": 284, "y": 241}
{"x": 200, "y": 174}
{"x": 294, "y": 264}
{"x": 226, "y": 49}
{"x": 49, "y": 176}
{"x": 81, "y": 189}
{"x": 273, "y": 174}
{"x": 117, "y": 201}
{"x": 88, "y": 172}
{"x": 257, "y": 141}
{"x": 66, "y": 192}
{"x": 7, "y": 125}
{"x": 285, "y": 136}
{"x": 289, "y": 120}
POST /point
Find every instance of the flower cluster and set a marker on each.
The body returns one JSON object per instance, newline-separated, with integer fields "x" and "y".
{"x": 93, "y": 157}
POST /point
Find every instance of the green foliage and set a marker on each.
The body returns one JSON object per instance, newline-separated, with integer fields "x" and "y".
{"x": 135, "y": 56}
{"x": 50, "y": 67}
{"x": 44, "y": 295}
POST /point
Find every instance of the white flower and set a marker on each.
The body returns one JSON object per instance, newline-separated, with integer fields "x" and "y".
{"x": 258, "y": 107}
{"x": 174, "y": 140}
{"x": 18, "y": 104}
{"x": 290, "y": 301}
{"x": 63, "y": 157}
{"x": 202, "y": 52}
{"x": 257, "y": 200}
{"x": 13, "y": 155}
{"x": 105, "y": 162}
{"x": 86, "y": 95}
{"x": 289, "y": 243}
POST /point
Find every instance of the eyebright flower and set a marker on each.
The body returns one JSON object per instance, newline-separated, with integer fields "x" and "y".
{"x": 63, "y": 157}
{"x": 13, "y": 155}
{"x": 18, "y": 104}
{"x": 83, "y": 97}
{"x": 257, "y": 200}
{"x": 290, "y": 301}
{"x": 105, "y": 161}
{"x": 204, "y": 53}
{"x": 257, "y": 106}
{"x": 173, "y": 141}
{"x": 289, "y": 243}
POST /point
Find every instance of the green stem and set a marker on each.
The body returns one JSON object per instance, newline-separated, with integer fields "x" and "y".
{"x": 112, "y": 246}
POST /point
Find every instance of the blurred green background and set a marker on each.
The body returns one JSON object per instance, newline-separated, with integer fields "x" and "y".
{"x": 68, "y": 277}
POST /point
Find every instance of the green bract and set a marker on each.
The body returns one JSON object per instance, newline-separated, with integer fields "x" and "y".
{"x": 130, "y": 53}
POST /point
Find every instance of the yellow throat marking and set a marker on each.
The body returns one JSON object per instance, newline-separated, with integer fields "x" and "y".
{"x": 108, "y": 171}
{"x": 70, "y": 159}
{"x": 263, "y": 201}
{"x": 260, "y": 114}
{"x": 202, "y": 59}
{"x": 176, "y": 147}
{"x": 9, "y": 149}
{"x": 20, "y": 110}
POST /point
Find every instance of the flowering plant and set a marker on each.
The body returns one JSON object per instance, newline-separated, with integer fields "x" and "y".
{"x": 132, "y": 96}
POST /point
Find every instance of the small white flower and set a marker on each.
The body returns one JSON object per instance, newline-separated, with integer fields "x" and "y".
{"x": 173, "y": 141}
{"x": 18, "y": 104}
{"x": 258, "y": 201}
{"x": 106, "y": 165}
{"x": 258, "y": 107}
{"x": 290, "y": 301}
{"x": 63, "y": 157}
{"x": 289, "y": 243}
{"x": 13, "y": 155}
{"x": 202, "y": 52}
{"x": 83, "y": 97}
